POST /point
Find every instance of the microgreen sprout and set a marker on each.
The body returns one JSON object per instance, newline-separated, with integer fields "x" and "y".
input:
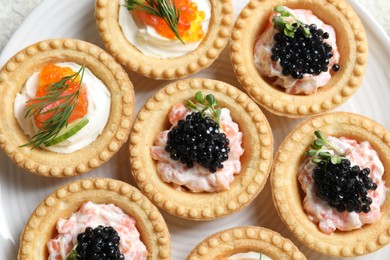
{"x": 205, "y": 105}
{"x": 287, "y": 23}
{"x": 73, "y": 254}
{"x": 317, "y": 149}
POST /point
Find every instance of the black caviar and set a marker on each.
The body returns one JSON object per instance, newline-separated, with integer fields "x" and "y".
{"x": 344, "y": 187}
{"x": 98, "y": 243}
{"x": 197, "y": 139}
{"x": 301, "y": 55}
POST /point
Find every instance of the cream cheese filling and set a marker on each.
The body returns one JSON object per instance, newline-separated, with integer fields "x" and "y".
{"x": 99, "y": 102}
{"x": 249, "y": 256}
{"x": 150, "y": 43}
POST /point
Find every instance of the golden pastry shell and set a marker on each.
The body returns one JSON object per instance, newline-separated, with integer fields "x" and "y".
{"x": 13, "y": 77}
{"x": 62, "y": 203}
{"x": 214, "y": 41}
{"x": 351, "y": 43}
{"x": 288, "y": 195}
{"x": 255, "y": 162}
{"x": 245, "y": 239}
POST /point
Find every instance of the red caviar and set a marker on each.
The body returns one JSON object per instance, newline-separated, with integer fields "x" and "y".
{"x": 190, "y": 22}
{"x": 51, "y": 74}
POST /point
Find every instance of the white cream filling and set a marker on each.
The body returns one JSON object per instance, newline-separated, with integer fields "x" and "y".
{"x": 150, "y": 43}
{"x": 249, "y": 256}
{"x": 99, "y": 102}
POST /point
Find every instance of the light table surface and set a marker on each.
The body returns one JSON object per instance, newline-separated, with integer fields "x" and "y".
{"x": 13, "y": 12}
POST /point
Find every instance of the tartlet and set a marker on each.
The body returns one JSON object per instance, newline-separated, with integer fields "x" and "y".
{"x": 351, "y": 43}
{"x": 288, "y": 195}
{"x": 127, "y": 54}
{"x": 236, "y": 240}
{"x": 257, "y": 142}
{"x": 41, "y": 226}
{"x": 32, "y": 59}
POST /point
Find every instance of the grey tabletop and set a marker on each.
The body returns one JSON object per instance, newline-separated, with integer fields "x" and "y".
{"x": 13, "y": 12}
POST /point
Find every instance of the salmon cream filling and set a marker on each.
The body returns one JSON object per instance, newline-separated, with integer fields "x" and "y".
{"x": 199, "y": 178}
{"x": 328, "y": 218}
{"x": 268, "y": 68}
{"x": 93, "y": 215}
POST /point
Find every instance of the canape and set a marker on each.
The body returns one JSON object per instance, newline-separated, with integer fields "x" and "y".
{"x": 201, "y": 149}
{"x": 330, "y": 184}
{"x": 164, "y": 39}
{"x": 299, "y": 58}
{"x": 246, "y": 243}
{"x": 71, "y": 220}
{"x": 67, "y": 107}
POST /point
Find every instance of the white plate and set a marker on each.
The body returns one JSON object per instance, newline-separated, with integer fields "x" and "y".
{"x": 21, "y": 192}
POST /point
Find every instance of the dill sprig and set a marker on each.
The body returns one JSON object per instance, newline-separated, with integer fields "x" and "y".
{"x": 61, "y": 113}
{"x": 164, "y": 9}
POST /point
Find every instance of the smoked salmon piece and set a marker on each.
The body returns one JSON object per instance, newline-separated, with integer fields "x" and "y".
{"x": 189, "y": 26}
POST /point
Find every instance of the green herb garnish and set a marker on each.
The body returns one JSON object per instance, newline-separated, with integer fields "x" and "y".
{"x": 61, "y": 113}
{"x": 261, "y": 254}
{"x": 317, "y": 146}
{"x": 287, "y": 23}
{"x": 206, "y": 106}
{"x": 73, "y": 254}
{"x": 164, "y": 9}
